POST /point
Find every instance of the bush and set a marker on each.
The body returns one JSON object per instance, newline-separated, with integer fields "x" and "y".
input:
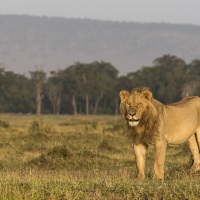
{"x": 38, "y": 129}
{"x": 4, "y": 124}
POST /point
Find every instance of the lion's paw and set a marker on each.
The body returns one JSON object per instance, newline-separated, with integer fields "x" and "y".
{"x": 195, "y": 168}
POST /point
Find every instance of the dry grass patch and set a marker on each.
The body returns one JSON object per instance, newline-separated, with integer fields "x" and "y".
{"x": 83, "y": 157}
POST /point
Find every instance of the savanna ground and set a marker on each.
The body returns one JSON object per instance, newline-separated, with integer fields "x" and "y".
{"x": 83, "y": 157}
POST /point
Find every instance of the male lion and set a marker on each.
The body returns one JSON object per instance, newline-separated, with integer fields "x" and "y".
{"x": 151, "y": 122}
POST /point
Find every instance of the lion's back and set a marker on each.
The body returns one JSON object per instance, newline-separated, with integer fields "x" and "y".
{"x": 187, "y": 108}
{"x": 187, "y": 103}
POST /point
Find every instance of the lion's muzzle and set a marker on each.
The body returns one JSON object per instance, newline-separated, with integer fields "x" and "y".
{"x": 133, "y": 122}
{"x": 132, "y": 119}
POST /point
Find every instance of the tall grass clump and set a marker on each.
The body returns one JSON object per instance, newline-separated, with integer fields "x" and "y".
{"x": 4, "y": 124}
{"x": 39, "y": 129}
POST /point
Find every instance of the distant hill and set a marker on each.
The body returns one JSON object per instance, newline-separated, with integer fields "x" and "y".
{"x": 30, "y": 43}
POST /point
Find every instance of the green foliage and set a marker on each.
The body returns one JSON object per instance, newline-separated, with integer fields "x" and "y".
{"x": 165, "y": 78}
{"x": 93, "y": 88}
{"x": 16, "y": 95}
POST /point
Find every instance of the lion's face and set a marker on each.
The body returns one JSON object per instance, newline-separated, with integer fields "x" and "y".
{"x": 135, "y": 108}
{"x": 133, "y": 105}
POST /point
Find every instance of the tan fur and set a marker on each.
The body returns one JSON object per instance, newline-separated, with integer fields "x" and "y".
{"x": 151, "y": 122}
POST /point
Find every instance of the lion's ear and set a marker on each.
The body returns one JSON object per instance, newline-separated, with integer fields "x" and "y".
{"x": 124, "y": 95}
{"x": 147, "y": 94}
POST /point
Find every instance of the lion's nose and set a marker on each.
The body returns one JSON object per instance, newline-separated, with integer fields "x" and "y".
{"x": 131, "y": 113}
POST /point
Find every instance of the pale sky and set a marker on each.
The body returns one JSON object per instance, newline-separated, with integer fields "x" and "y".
{"x": 169, "y": 11}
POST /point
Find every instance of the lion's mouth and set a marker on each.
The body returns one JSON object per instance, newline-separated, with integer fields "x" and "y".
{"x": 133, "y": 122}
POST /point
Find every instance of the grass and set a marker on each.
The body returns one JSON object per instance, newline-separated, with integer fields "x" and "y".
{"x": 83, "y": 157}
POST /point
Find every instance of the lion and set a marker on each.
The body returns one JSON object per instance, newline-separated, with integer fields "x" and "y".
{"x": 151, "y": 122}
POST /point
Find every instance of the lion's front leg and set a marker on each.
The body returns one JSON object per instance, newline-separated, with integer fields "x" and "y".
{"x": 160, "y": 159}
{"x": 140, "y": 156}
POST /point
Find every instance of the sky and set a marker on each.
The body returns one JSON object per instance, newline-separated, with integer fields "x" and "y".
{"x": 168, "y": 11}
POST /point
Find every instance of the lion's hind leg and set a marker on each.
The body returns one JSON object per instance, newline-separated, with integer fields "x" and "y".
{"x": 194, "y": 147}
{"x": 197, "y": 136}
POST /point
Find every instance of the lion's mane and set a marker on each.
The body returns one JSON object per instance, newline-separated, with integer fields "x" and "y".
{"x": 147, "y": 129}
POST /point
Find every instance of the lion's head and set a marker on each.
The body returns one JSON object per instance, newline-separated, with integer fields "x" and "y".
{"x": 138, "y": 111}
{"x": 135, "y": 105}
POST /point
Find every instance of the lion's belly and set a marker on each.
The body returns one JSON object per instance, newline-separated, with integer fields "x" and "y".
{"x": 177, "y": 138}
{"x": 180, "y": 131}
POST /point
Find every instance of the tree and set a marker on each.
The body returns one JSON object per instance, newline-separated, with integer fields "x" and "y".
{"x": 54, "y": 90}
{"x": 87, "y": 84}
{"x": 70, "y": 84}
{"x": 103, "y": 83}
{"x": 93, "y": 88}
{"x": 165, "y": 78}
{"x": 38, "y": 79}
{"x": 192, "y": 86}
{"x": 16, "y": 95}
{"x": 171, "y": 71}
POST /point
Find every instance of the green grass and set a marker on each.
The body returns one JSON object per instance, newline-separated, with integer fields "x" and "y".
{"x": 83, "y": 157}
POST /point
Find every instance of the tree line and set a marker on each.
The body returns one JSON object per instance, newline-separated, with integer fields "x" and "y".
{"x": 93, "y": 88}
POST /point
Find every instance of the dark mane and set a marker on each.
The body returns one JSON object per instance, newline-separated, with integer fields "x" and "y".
{"x": 139, "y": 90}
{"x": 147, "y": 129}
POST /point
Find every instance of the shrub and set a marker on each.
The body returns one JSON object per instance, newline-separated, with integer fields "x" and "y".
{"x": 4, "y": 124}
{"x": 38, "y": 129}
